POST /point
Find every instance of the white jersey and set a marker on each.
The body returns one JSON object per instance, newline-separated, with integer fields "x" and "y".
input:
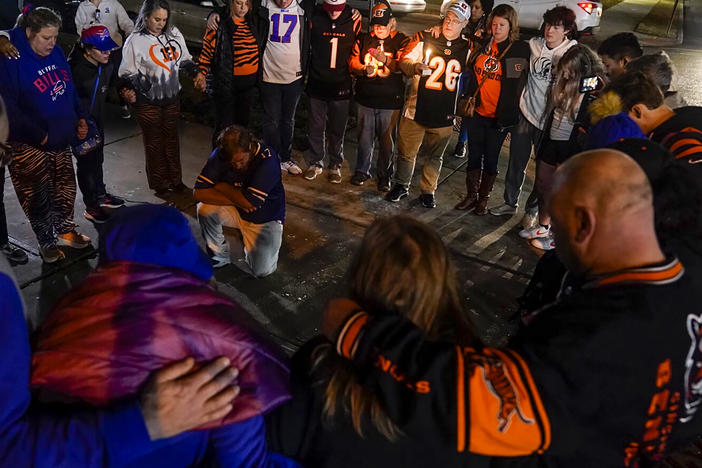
{"x": 151, "y": 63}
{"x": 541, "y": 65}
{"x": 281, "y": 59}
{"x": 109, "y": 13}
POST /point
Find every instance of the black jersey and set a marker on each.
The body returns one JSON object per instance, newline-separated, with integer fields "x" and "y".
{"x": 435, "y": 98}
{"x": 331, "y": 45}
{"x": 385, "y": 88}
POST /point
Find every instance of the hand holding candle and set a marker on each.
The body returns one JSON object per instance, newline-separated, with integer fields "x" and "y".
{"x": 424, "y": 67}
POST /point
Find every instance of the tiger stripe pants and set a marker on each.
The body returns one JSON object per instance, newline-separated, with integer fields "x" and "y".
{"x": 159, "y": 127}
{"x": 46, "y": 188}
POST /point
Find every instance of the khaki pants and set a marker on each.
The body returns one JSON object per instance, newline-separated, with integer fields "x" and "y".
{"x": 261, "y": 241}
{"x": 433, "y": 141}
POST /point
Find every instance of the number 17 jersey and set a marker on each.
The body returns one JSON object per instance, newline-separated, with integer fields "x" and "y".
{"x": 281, "y": 57}
{"x": 434, "y": 103}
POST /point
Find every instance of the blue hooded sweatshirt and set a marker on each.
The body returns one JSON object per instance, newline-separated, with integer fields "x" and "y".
{"x": 40, "y": 96}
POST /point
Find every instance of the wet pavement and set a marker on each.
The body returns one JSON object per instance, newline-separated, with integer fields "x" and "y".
{"x": 325, "y": 222}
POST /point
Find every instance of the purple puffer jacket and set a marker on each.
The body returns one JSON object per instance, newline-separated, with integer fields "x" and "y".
{"x": 128, "y": 319}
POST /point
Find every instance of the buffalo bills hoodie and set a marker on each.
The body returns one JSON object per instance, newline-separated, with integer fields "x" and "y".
{"x": 40, "y": 97}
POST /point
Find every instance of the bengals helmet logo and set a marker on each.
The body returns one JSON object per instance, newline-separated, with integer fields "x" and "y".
{"x": 500, "y": 385}
{"x": 379, "y": 10}
{"x": 693, "y": 368}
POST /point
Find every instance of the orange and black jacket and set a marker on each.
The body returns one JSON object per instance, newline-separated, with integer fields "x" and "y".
{"x": 609, "y": 375}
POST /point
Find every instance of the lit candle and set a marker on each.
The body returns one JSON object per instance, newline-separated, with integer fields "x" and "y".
{"x": 426, "y": 56}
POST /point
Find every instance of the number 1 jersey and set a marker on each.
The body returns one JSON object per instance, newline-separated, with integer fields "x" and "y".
{"x": 432, "y": 100}
{"x": 331, "y": 43}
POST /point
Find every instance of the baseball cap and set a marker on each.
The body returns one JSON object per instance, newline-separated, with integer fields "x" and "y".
{"x": 98, "y": 36}
{"x": 461, "y": 9}
{"x": 333, "y": 5}
{"x": 381, "y": 14}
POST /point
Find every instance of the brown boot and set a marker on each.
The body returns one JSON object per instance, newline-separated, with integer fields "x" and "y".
{"x": 472, "y": 185}
{"x": 486, "y": 184}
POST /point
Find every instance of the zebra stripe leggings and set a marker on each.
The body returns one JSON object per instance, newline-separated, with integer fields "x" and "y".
{"x": 46, "y": 188}
{"x": 159, "y": 126}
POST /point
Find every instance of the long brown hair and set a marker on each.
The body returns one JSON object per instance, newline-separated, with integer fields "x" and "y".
{"x": 401, "y": 267}
{"x": 577, "y": 63}
{"x": 510, "y": 14}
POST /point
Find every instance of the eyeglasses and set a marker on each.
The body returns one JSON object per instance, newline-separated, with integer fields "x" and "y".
{"x": 449, "y": 21}
{"x": 5, "y": 155}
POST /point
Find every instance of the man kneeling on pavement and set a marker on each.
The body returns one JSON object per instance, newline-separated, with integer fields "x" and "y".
{"x": 241, "y": 187}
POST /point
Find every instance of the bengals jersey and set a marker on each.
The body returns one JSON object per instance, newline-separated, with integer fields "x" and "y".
{"x": 432, "y": 100}
{"x": 385, "y": 87}
{"x": 331, "y": 43}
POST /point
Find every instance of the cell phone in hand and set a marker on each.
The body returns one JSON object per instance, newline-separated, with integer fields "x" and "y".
{"x": 590, "y": 83}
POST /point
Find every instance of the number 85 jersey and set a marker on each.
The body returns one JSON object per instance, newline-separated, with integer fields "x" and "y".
{"x": 432, "y": 97}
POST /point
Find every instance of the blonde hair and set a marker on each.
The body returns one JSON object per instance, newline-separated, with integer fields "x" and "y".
{"x": 510, "y": 14}
{"x": 402, "y": 267}
{"x": 577, "y": 63}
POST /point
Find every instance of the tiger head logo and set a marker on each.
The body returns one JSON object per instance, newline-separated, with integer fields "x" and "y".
{"x": 693, "y": 368}
{"x": 491, "y": 64}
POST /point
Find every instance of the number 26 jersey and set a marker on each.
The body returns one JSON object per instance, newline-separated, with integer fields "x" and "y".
{"x": 432, "y": 100}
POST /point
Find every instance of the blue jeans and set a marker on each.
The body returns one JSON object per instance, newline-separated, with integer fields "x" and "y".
{"x": 372, "y": 123}
{"x": 279, "y": 105}
{"x": 524, "y": 137}
{"x": 484, "y": 143}
{"x": 326, "y": 125}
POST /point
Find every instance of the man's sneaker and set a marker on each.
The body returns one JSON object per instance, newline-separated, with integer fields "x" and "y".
{"x": 219, "y": 262}
{"x": 544, "y": 243}
{"x": 110, "y": 201}
{"x": 74, "y": 239}
{"x": 427, "y": 200}
{"x": 359, "y": 178}
{"x": 530, "y": 220}
{"x": 96, "y": 215}
{"x": 14, "y": 255}
{"x": 313, "y": 171}
{"x": 290, "y": 167}
{"x": 535, "y": 232}
{"x": 503, "y": 210}
{"x": 384, "y": 184}
{"x": 460, "y": 150}
{"x": 125, "y": 113}
{"x": 51, "y": 254}
{"x": 334, "y": 175}
{"x": 397, "y": 193}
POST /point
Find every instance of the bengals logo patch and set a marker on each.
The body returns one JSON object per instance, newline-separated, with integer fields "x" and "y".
{"x": 447, "y": 51}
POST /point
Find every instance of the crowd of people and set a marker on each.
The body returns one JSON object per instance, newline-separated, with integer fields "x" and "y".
{"x": 162, "y": 369}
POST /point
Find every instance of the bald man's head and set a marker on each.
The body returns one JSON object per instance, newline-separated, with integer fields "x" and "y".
{"x": 601, "y": 205}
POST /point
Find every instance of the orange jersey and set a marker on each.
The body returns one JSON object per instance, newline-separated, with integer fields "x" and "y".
{"x": 488, "y": 65}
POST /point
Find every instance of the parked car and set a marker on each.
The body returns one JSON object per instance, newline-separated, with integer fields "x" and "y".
{"x": 587, "y": 12}
{"x": 398, "y": 6}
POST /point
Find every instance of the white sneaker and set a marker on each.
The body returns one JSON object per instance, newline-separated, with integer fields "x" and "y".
{"x": 291, "y": 167}
{"x": 530, "y": 220}
{"x": 313, "y": 171}
{"x": 544, "y": 243}
{"x": 535, "y": 232}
